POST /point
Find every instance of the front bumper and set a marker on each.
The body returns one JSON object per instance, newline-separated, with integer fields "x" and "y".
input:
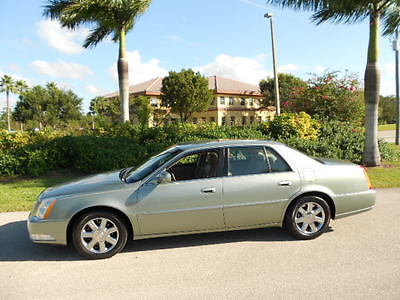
{"x": 47, "y": 231}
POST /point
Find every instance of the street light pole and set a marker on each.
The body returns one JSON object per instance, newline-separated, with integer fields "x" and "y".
{"x": 396, "y": 50}
{"x": 275, "y": 63}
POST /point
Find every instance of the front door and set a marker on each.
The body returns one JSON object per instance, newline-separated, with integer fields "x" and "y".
{"x": 192, "y": 201}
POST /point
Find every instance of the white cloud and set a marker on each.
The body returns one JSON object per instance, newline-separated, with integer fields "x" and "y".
{"x": 62, "y": 39}
{"x": 91, "y": 89}
{"x": 61, "y": 69}
{"x": 389, "y": 69}
{"x": 320, "y": 69}
{"x": 234, "y": 67}
{"x": 289, "y": 68}
{"x": 261, "y": 57}
{"x": 140, "y": 71}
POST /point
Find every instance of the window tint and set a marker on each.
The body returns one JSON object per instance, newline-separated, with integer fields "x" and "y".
{"x": 276, "y": 162}
{"x": 196, "y": 166}
{"x": 246, "y": 161}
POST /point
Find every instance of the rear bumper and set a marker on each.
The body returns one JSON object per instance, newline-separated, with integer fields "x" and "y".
{"x": 47, "y": 231}
{"x": 354, "y": 203}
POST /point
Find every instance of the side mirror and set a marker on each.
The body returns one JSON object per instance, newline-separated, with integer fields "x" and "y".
{"x": 164, "y": 177}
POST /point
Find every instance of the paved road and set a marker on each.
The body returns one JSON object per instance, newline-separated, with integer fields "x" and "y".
{"x": 358, "y": 259}
{"x": 387, "y": 135}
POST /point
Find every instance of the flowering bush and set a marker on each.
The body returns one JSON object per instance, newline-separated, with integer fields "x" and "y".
{"x": 330, "y": 97}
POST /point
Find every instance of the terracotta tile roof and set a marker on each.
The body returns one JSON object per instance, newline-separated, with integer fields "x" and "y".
{"x": 220, "y": 85}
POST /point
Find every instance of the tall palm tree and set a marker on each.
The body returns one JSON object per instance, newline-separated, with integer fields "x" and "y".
{"x": 352, "y": 11}
{"x": 108, "y": 17}
{"x": 8, "y": 85}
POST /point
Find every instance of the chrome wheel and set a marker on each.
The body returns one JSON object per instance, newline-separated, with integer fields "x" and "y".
{"x": 99, "y": 235}
{"x": 309, "y": 218}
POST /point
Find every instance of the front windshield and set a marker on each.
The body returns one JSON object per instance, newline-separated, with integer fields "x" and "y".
{"x": 151, "y": 165}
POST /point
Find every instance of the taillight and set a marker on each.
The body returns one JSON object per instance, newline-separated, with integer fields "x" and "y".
{"x": 366, "y": 176}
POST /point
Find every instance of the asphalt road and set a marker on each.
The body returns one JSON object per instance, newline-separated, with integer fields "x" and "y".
{"x": 358, "y": 259}
{"x": 387, "y": 135}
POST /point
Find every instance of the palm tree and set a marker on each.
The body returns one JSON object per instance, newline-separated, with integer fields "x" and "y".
{"x": 352, "y": 11}
{"x": 108, "y": 17}
{"x": 8, "y": 85}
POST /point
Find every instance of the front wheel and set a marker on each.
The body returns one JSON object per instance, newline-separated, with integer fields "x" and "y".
{"x": 308, "y": 218}
{"x": 99, "y": 235}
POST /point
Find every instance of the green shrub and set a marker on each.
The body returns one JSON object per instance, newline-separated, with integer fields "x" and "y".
{"x": 293, "y": 125}
{"x": 9, "y": 164}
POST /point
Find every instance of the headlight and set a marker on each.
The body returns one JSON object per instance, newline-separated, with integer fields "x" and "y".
{"x": 45, "y": 207}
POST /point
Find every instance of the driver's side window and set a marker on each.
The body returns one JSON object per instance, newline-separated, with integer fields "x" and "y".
{"x": 195, "y": 166}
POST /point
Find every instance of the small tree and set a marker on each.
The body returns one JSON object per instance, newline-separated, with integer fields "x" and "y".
{"x": 142, "y": 110}
{"x": 186, "y": 92}
{"x": 289, "y": 86}
{"x": 387, "y": 110}
{"x": 48, "y": 105}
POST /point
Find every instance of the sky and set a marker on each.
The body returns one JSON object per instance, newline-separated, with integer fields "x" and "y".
{"x": 228, "y": 38}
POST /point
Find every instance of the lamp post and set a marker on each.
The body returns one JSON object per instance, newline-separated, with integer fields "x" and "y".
{"x": 275, "y": 63}
{"x": 396, "y": 50}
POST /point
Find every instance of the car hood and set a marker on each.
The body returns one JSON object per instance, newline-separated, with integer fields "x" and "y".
{"x": 91, "y": 184}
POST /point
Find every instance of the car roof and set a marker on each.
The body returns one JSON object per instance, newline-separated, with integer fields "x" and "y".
{"x": 225, "y": 143}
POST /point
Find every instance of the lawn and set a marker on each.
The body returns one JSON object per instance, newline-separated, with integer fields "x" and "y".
{"x": 386, "y": 127}
{"x": 20, "y": 193}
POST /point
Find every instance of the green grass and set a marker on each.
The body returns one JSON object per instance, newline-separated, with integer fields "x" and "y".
{"x": 20, "y": 193}
{"x": 386, "y": 127}
{"x": 386, "y": 176}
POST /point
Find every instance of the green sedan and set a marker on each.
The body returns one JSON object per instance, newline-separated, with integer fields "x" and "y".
{"x": 196, "y": 188}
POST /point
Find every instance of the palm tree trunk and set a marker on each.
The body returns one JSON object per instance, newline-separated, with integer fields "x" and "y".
{"x": 123, "y": 77}
{"x": 371, "y": 155}
{"x": 8, "y": 111}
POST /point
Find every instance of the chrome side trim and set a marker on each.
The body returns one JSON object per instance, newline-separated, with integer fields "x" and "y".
{"x": 355, "y": 194}
{"x": 181, "y": 210}
{"x": 255, "y": 203}
{"x": 354, "y": 212}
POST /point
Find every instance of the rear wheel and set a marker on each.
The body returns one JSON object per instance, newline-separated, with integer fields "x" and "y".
{"x": 308, "y": 218}
{"x": 99, "y": 235}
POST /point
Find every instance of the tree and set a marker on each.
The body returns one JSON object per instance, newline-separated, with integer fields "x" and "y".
{"x": 48, "y": 105}
{"x": 387, "y": 110}
{"x": 289, "y": 87}
{"x": 109, "y": 17}
{"x": 186, "y": 92}
{"x": 142, "y": 110}
{"x": 106, "y": 107}
{"x": 351, "y": 11}
{"x": 9, "y": 85}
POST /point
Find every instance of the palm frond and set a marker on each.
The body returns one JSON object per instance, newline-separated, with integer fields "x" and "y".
{"x": 391, "y": 18}
{"x": 299, "y": 4}
{"x": 96, "y": 35}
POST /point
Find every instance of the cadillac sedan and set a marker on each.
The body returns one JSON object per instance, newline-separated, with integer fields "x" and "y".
{"x": 215, "y": 186}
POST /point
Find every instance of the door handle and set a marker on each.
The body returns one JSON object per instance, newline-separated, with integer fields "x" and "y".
{"x": 284, "y": 183}
{"x": 209, "y": 190}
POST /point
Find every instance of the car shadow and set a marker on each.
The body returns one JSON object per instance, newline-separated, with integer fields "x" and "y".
{"x": 15, "y": 244}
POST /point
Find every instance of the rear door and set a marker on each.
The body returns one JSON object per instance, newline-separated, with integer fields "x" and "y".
{"x": 257, "y": 185}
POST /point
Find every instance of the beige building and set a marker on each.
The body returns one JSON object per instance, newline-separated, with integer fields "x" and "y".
{"x": 235, "y": 102}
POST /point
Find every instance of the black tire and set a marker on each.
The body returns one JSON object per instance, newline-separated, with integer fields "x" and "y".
{"x": 109, "y": 228}
{"x": 316, "y": 218}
